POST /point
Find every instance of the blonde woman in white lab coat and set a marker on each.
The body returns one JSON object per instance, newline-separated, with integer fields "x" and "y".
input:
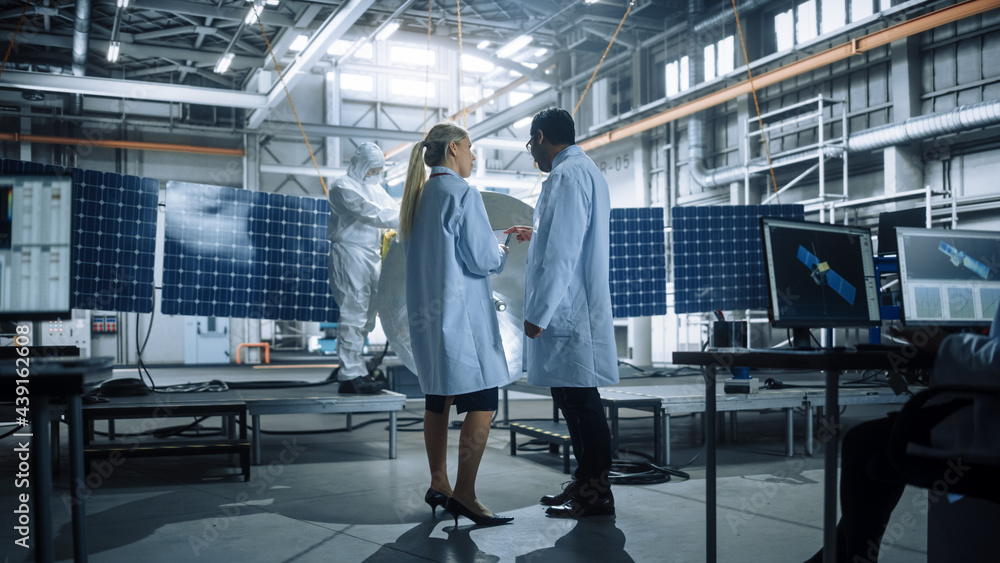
{"x": 450, "y": 253}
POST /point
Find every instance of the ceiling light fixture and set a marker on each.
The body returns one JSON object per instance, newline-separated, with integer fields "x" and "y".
{"x": 113, "y": 48}
{"x": 224, "y": 61}
{"x": 483, "y": 44}
{"x": 514, "y": 46}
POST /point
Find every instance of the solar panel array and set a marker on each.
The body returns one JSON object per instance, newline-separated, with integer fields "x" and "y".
{"x": 237, "y": 253}
{"x": 718, "y": 256}
{"x": 114, "y": 226}
{"x": 638, "y": 262}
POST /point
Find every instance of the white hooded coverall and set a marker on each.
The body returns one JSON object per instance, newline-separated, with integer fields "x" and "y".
{"x": 358, "y": 210}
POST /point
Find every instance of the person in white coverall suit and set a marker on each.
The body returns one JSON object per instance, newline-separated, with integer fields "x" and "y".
{"x": 359, "y": 209}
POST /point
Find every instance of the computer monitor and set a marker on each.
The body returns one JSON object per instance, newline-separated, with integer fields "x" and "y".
{"x": 819, "y": 275}
{"x": 889, "y": 221}
{"x": 36, "y": 214}
{"x": 949, "y": 277}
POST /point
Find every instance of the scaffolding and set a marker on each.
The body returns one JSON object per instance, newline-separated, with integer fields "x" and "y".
{"x": 802, "y": 117}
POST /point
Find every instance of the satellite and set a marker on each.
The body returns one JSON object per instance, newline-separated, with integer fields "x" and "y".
{"x": 959, "y": 258}
{"x": 822, "y": 274}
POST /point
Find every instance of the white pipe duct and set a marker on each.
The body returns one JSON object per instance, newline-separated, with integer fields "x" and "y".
{"x": 963, "y": 118}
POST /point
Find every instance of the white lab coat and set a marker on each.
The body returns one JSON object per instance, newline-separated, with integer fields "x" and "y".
{"x": 567, "y": 290}
{"x": 973, "y": 360}
{"x": 969, "y": 359}
{"x": 450, "y": 255}
{"x": 358, "y": 212}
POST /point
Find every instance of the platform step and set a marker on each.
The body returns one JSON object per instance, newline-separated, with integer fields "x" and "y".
{"x": 554, "y": 433}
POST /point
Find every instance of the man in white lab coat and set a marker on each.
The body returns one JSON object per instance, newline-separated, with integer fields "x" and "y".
{"x": 359, "y": 209}
{"x": 567, "y": 306}
{"x": 870, "y": 488}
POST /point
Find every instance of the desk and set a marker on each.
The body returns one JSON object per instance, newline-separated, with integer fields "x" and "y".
{"x": 833, "y": 363}
{"x": 55, "y": 377}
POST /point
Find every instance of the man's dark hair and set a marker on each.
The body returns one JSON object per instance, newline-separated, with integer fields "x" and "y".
{"x": 557, "y": 124}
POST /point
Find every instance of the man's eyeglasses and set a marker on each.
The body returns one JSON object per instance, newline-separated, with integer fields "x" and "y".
{"x": 527, "y": 145}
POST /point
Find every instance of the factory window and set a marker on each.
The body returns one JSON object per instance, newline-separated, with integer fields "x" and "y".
{"x": 475, "y": 64}
{"x": 412, "y": 88}
{"x": 806, "y": 24}
{"x": 832, "y": 16}
{"x": 357, "y": 82}
{"x": 414, "y": 56}
{"x": 783, "y": 26}
{"x": 677, "y": 76}
{"x": 725, "y": 54}
{"x": 861, "y": 9}
{"x": 815, "y": 17}
{"x": 341, "y": 46}
{"x": 709, "y": 62}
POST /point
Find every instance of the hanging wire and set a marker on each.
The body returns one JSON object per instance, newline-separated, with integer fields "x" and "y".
{"x": 760, "y": 120}
{"x": 608, "y": 48}
{"x": 13, "y": 38}
{"x": 461, "y": 69}
{"x": 288, "y": 95}
{"x": 590, "y": 82}
{"x": 427, "y": 69}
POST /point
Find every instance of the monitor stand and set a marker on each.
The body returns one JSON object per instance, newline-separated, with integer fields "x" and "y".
{"x": 801, "y": 338}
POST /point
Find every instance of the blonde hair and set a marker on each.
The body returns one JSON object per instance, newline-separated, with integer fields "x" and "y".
{"x": 431, "y": 152}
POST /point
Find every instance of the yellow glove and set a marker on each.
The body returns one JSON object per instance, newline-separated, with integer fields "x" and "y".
{"x": 388, "y": 235}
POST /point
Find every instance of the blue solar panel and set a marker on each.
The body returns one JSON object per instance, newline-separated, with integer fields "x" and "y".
{"x": 114, "y": 226}
{"x": 237, "y": 253}
{"x": 638, "y": 262}
{"x": 718, "y": 256}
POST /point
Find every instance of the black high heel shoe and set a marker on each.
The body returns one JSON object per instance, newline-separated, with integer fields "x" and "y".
{"x": 457, "y": 509}
{"x": 434, "y": 499}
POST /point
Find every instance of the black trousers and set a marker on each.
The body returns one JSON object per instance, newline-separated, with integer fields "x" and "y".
{"x": 870, "y": 487}
{"x": 869, "y": 490}
{"x": 588, "y": 431}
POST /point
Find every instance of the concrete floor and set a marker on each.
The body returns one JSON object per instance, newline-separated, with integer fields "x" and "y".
{"x": 336, "y": 497}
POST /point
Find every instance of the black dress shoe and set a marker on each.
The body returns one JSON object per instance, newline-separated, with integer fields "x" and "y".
{"x": 434, "y": 499}
{"x": 457, "y": 509}
{"x": 563, "y": 497}
{"x": 364, "y": 385}
{"x": 581, "y": 507}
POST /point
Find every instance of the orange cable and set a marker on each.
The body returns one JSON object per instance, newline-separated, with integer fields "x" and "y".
{"x": 10, "y": 46}
{"x": 610, "y": 43}
{"x": 593, "y": 76}
{"x": 753, "y": 90}
{"x": 289, "y": 96}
